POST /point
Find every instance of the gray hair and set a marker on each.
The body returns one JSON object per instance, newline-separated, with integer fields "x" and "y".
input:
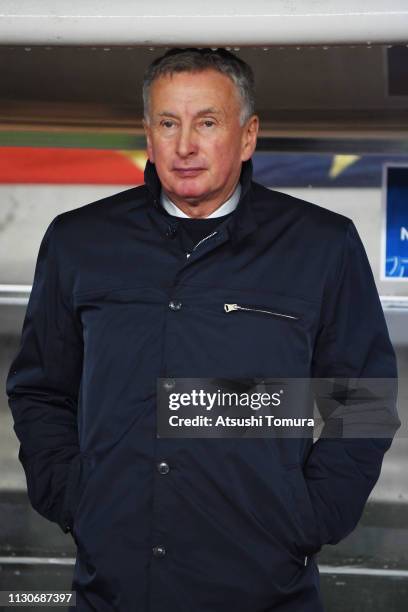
{"x": 195, "y": 60}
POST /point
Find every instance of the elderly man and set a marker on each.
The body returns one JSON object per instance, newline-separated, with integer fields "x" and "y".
{"x": 201, "y": 272}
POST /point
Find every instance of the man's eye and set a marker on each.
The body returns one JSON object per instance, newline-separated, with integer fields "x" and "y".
{"x": 208, "y": 123}
{"x": 167, "y": 123}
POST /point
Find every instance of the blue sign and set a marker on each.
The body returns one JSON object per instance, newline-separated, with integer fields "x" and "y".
{"x": 396, "y": 223}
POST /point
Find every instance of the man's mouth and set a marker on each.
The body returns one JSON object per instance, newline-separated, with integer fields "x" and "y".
{"x": 188, "y": 171}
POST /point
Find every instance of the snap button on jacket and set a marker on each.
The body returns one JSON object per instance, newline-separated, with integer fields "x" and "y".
{"x": 281, "y": 288}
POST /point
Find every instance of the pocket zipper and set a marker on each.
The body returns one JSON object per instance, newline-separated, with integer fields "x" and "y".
{"x": 232, "y": 307}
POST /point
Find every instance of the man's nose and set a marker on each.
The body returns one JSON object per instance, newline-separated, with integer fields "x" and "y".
{"x": 187, "y": 142}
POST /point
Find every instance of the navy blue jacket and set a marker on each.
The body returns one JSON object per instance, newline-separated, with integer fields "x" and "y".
{"x": 193, "y": 525}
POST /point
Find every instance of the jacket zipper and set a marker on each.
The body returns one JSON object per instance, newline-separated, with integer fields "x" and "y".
{"x": 232, "y": 307}
{"x": 202, "y": 240}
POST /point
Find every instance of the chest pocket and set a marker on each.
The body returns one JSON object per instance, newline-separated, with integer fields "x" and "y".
{"x": 270, "y": 333}
{"x": 249, "y": 333}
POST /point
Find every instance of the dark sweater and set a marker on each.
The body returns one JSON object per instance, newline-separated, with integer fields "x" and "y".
{"x": 194, "y": 230}
{"x": 197, "y": 229}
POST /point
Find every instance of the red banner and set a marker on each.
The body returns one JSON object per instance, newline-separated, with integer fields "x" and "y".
{"x": 71, "y": 166}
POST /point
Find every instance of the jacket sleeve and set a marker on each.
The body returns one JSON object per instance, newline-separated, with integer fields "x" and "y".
{"x": 42, "y": 387}
{"x": 352, "y": 342}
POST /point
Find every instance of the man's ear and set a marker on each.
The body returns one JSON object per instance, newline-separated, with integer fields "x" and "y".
{"x": 249, "y": 137}
{"x": 149, "y": 148}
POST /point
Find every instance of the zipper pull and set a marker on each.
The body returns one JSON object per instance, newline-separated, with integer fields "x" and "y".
{"x": 229, "y": 307}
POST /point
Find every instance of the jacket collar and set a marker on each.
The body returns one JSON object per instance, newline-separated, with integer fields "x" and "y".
{"x": 241, "y": 223}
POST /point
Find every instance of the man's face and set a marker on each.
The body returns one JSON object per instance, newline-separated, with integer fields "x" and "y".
{"x": 195, "y": 139}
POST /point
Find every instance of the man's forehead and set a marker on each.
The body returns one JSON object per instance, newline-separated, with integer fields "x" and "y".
{"x": 209, "y": 110}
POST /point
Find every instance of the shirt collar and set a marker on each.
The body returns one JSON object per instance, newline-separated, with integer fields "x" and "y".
{"x": 239, "y": 225}
{"x": 225, "y": 208}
